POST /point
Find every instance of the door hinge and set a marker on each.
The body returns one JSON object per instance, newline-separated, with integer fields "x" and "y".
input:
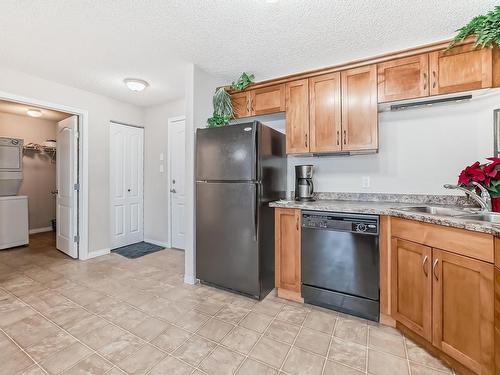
{"x": 76, "y": 187}
{"x": 76, "y": 239}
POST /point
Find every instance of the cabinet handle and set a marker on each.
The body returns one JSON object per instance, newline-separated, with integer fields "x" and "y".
{"x": 425, "y": 81}
{"x": 249, "y": 106}
{"x": 423, "y": 265}
{"x": 345, "y": 137}
{"x": 338, "y": 138}
{"x": 434, "y": 79}
{"x": 297, "y": 223}
{"x": 434, "y": 269}
{"x": 305, "y": 142}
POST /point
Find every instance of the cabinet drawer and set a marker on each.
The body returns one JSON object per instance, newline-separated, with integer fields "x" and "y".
{"x": 460, "y": 241}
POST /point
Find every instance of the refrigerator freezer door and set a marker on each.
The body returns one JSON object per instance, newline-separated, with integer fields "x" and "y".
{"x": 227, "y": 153}
{"x": 227, "y": 252}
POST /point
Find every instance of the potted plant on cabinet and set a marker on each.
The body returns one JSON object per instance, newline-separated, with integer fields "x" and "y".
{"x": 485, "y": 28}
{"x": 487, "y": 175}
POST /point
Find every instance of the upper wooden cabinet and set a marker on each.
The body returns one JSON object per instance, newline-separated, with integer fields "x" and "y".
{"x": 267, "y": 100}
{"x": 404, "y": 78}
{"x": 359, "y": 109}
{"x": 462, "y": 68}
{"x": 463, "y": 310}
{"x": 287, "y": 252}
{"x": 241, "y": 104}
{"x": 325, "y": 113}
{"x": 297, "y": 116}
{"x": 412, "y": 286}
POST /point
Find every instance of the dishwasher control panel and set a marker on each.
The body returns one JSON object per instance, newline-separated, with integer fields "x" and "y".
{"x": 341, "y": 222}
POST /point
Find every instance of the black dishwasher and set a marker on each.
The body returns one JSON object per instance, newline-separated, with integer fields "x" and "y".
{"x": 340, "y": 262}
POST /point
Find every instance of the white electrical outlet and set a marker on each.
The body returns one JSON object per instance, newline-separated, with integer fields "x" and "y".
{"x": 161, "y": 168}
{"x": 365, "y": 182}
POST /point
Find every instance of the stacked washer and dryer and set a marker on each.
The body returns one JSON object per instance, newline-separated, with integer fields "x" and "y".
{"x": 13, "y": 208}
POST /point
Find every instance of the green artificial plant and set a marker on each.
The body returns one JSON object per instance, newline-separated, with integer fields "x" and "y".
{"x": 223, "y": 107}
{"x": 486, "y": 29}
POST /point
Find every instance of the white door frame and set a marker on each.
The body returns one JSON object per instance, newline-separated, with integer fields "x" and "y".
{"x": 171, "y": 120}
{"x": 143, "y": 173}
{"x": 83, "y": 155}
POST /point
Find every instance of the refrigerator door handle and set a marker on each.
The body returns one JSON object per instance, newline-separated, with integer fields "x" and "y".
{"x": 256, "y": 212}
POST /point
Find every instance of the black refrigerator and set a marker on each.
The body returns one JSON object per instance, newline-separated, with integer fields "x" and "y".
{"x": 239, "y": 170}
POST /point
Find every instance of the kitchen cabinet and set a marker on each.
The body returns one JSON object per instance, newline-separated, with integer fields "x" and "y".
{"x": 325, "y": 113}
{"x": 462, "y": 68}
{"x": 404, "y": 78}
{"x": 463, "y": 309}
{"x": 359, "y": 109}
{"x": 287, "y": 253}
{"x": 297, "y": 116}
{"x": 266, "y": 100}
{"x": 497, "y": 321}
{"x": 412, "y": 286}
{"x": 241, "y": 104}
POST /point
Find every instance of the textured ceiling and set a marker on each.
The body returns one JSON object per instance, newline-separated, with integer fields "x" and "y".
{"x": 95, "y": 44}
{"x": 20, "y": 109}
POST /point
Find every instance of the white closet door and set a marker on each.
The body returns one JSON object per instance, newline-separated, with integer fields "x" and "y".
{"x": 177, "y": 156}
{"x": 66, "y": 202}
{"x": 126, "y": 182}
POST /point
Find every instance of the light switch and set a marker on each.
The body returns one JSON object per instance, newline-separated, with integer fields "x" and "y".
{"x": 162, "y": 169}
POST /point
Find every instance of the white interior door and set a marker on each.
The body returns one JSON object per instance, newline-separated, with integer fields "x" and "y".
{"x": 177, "y": 156}
{"x": 126, "y": 183}
{"x": 67, "y": 198}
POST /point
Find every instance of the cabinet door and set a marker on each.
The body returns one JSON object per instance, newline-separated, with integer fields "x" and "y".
{"x": 359, "y": 109}
{"x": 404, "y": 78}
{"x": 460, "y": 69}
{"x": 297, "y": 117}
{"x": 463, "y": 310}
{"x": 325, "y": 113}
{"x": 412, "y": 286}
{"x": 267, "y": 100}
{"x": 241, "y": 104}
{"x": 287, "y": 249}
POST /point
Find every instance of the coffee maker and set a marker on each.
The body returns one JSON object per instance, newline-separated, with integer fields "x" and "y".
{"x": 304, "y": 187}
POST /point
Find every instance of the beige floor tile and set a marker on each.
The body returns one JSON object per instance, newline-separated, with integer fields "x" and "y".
{"x": 12, "y": 359}
{"x": 386, "y": 342}
{"x": 80, "y": 328}
{"x": 313, "y": 341}
{"x": 142, "y": 361}
{"x": 221, "y": 362}
{"x": 93, "y": 365}
{"x": 210, "y": 308}
{"x": 12, "y": 311}
{"x": 194, "y": 350}
{"x": 232, "y": 314}
{"x": 282, "y": 331}
{"x": 321, "y": 321}
{"x": 348, "y": 353}
{"x": 192, "y": 320}
{"x": 270, "y": 351}
{"x": 171, "y": 338}
{"x": 171, "y": 366}
{"x": 98, "y": 338}
{"x": 129, "y": 318}
{"x": 268, "y": 307}
{"x": 386, "y": 364}
{"x": 121, "y": 348}
{"x": 31, "y": 330}
{"x": 50, "y": 345}
{"x": 417, "y": 369}
{"x": 300, "y": 362}
{"x": 256, "y": 321}
{"x": 66, "y": 358}
{"x": 33, "y": 370}
{"x": 252, "y": 367}
{"x": 292, "y": 314}
{"x": 351, "y": 330}
{"x": 241, "y": 340}
{"x": 215, "y": 329}
{"x": 335, "y": 368}
{"x": 149, "y": 328}
{"x": 115, "y": 371}
{"x": 419, "y": 355}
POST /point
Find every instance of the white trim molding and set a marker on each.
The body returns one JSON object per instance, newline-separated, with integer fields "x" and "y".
{"x": 157, "y": 243}
{"x": 40, "y": 230}
{"x": 98, "y": 253}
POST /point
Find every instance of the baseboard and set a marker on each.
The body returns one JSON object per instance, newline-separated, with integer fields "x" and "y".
{"x": 190, "y": 279}
{"x": 98, "y": 253}
{"x": 157, "y": 243}
{"x": 40, "y": 230}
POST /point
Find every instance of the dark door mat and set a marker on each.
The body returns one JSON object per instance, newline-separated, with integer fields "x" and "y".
{"x": 138, "y": 250}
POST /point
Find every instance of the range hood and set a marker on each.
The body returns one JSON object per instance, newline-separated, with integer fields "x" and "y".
{"x": 448, "y": 99}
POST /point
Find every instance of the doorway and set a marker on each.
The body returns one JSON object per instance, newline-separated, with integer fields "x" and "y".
{"x": 126, "y": 184}
{"x": 176, "y": 175}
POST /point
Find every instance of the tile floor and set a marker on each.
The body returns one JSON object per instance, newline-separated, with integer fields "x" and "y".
{"x": 112, "y": 315}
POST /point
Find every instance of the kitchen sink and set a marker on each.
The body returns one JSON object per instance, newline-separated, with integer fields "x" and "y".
{"x": 436, "y": 210}
{"x": 489, "y": 217}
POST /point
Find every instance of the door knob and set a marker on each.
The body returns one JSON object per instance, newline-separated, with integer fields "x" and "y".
{"x": 128, "y": 190}
{"x": 54, "y": 192}
{"x": 173, "y": 191}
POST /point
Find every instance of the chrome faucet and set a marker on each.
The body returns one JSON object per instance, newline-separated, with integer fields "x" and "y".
{"x": 484, "y": 200}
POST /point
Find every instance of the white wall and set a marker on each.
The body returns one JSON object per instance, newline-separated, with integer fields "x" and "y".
{"x": 420, "y": 150}
{"x": 100, "y": 110}
{"x": 200, "y": 87}
{"x": 155, "y": 183}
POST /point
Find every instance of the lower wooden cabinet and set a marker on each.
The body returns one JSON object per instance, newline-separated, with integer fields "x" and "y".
{"x": 287, "y": 253}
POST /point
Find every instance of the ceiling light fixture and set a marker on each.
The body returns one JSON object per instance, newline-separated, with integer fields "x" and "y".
{"x": 34, "y": 112}
{"x": 136, "y": 84}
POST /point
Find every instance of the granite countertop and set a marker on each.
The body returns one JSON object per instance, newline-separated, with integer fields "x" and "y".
{"x": 383, "y": 207}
